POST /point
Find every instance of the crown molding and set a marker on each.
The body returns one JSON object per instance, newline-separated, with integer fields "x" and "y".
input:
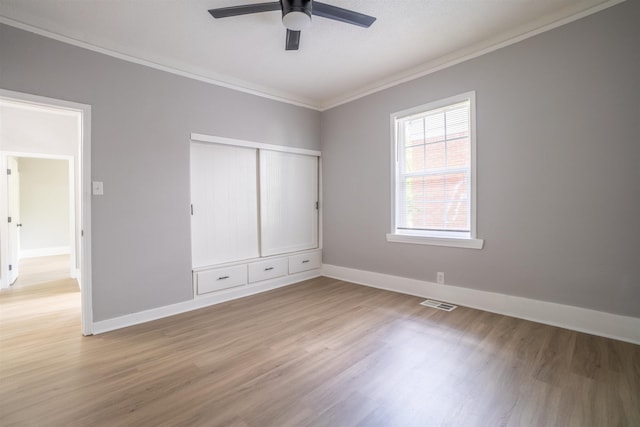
{"x": 222, "y": 81}
{"x": 471, "y": 52}
{"x": 460, "y": 56}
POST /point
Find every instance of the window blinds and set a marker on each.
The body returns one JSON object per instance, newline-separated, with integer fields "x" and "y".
{"x": 434, "y": 168}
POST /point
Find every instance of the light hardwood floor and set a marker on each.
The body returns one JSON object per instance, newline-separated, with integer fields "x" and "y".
{"x": 34, "y": 271}
{"x": 319, "y": 353}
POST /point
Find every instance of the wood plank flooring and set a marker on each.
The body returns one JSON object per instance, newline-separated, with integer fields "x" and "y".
{"x": 42, "y": 269}
{"x": 319, "y": 353}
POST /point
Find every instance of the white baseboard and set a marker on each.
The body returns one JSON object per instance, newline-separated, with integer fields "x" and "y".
{"x": 38, "y": 252}
{"x": 200, "y": 301}
{"x": 593, "y": 322}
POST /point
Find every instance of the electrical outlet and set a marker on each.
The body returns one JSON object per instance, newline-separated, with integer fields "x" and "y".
{"x": 440, "y": 277}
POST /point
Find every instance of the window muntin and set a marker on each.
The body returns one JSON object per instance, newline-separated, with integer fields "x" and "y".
{"x": 434, "y": 150}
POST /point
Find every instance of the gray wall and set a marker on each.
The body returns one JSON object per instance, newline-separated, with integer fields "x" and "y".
{"x": 558, "y": 165}
{"x": 44, "y": 203}
{"x": 558, "y": 134}
{"x": 141, "y": 121}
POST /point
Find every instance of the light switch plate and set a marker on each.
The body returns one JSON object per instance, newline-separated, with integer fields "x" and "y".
{"x": 98, "y": 189}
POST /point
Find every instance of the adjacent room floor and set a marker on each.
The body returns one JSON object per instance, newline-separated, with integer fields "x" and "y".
{"x": 40, "y": 270}
{"x": 319, "y": 353}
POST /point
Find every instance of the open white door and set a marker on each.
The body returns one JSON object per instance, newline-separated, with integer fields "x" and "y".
{"x": 13, "y": 210}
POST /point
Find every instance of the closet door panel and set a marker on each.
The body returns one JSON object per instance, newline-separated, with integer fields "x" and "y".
{"x": 224, "y": 223}
{"x": 288, "y": 202}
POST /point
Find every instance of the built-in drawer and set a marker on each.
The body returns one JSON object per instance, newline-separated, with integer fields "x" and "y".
{"x": 305, "y": 261}
{"x": 221, "y": 278}
{"x": 268, "y": 269}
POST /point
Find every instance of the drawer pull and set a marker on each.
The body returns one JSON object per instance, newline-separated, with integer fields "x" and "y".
{"x": 268, "y": 268}
{"x": 305, "y": 261}
{"x": 223, "y": 277}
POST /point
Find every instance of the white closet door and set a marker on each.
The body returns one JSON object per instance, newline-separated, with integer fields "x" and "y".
{"x": 224, "y": 194}
{"x": 288, "y": 197}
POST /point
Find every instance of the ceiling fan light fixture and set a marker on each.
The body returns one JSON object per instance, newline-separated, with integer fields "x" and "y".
{"x": 296, "y": 20}
{"x": 296, "y": 15}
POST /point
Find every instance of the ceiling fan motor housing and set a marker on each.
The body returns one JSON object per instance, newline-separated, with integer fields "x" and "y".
{"x": 296, "y": 14}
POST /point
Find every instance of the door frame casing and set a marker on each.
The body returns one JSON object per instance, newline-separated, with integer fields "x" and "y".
{"x": 10, "y": 275}
{"x": 83, "y": 158}
{"x": 73, "y": 229}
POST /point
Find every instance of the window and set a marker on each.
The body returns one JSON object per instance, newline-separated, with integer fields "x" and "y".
{"x": 434, "y": 179}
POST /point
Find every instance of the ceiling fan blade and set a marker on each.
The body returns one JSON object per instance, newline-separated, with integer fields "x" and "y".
{"x": 293, "y": 40}
{"x": 245, "y": 9}
{"x": 343, "y": 15}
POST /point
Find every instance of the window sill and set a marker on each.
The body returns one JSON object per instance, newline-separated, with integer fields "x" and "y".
{"x": 436, "y": 241}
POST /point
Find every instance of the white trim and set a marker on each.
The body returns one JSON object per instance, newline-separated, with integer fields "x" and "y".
{"x": 39, "y": 252}
{"x": 200, "y": 302}
{"x": 84, "y": 222}
{"x": 435, "y": 241}
{"x": 320, "y": 206}
{"x": 442, "y": 238}
{"x": 241, "y": 86}
{"x": 23, "y": 105}
{"x": 199, "y": 137}
{"x": 5, "y": 276}
{"x": 458, "y": 57}
{"x": 593, "y": 322}
{"x": 40, "y": 102}
{"x": 85, "y": 279}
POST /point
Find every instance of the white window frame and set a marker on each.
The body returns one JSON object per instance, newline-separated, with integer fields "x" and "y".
{"x": 428, "y": 237}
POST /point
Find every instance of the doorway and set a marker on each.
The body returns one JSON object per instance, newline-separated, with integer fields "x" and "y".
{"x": 36, "y": 129}
{"x": 41, "y": 200}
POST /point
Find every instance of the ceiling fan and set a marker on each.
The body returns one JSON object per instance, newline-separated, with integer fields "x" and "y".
{"x": 296, "y": 15}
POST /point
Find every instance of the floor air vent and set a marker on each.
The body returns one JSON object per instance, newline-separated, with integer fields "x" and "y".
{"x": 439, "y": 305}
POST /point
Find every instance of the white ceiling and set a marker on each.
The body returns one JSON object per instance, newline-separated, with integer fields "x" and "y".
{"x": 336, "y": 61}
